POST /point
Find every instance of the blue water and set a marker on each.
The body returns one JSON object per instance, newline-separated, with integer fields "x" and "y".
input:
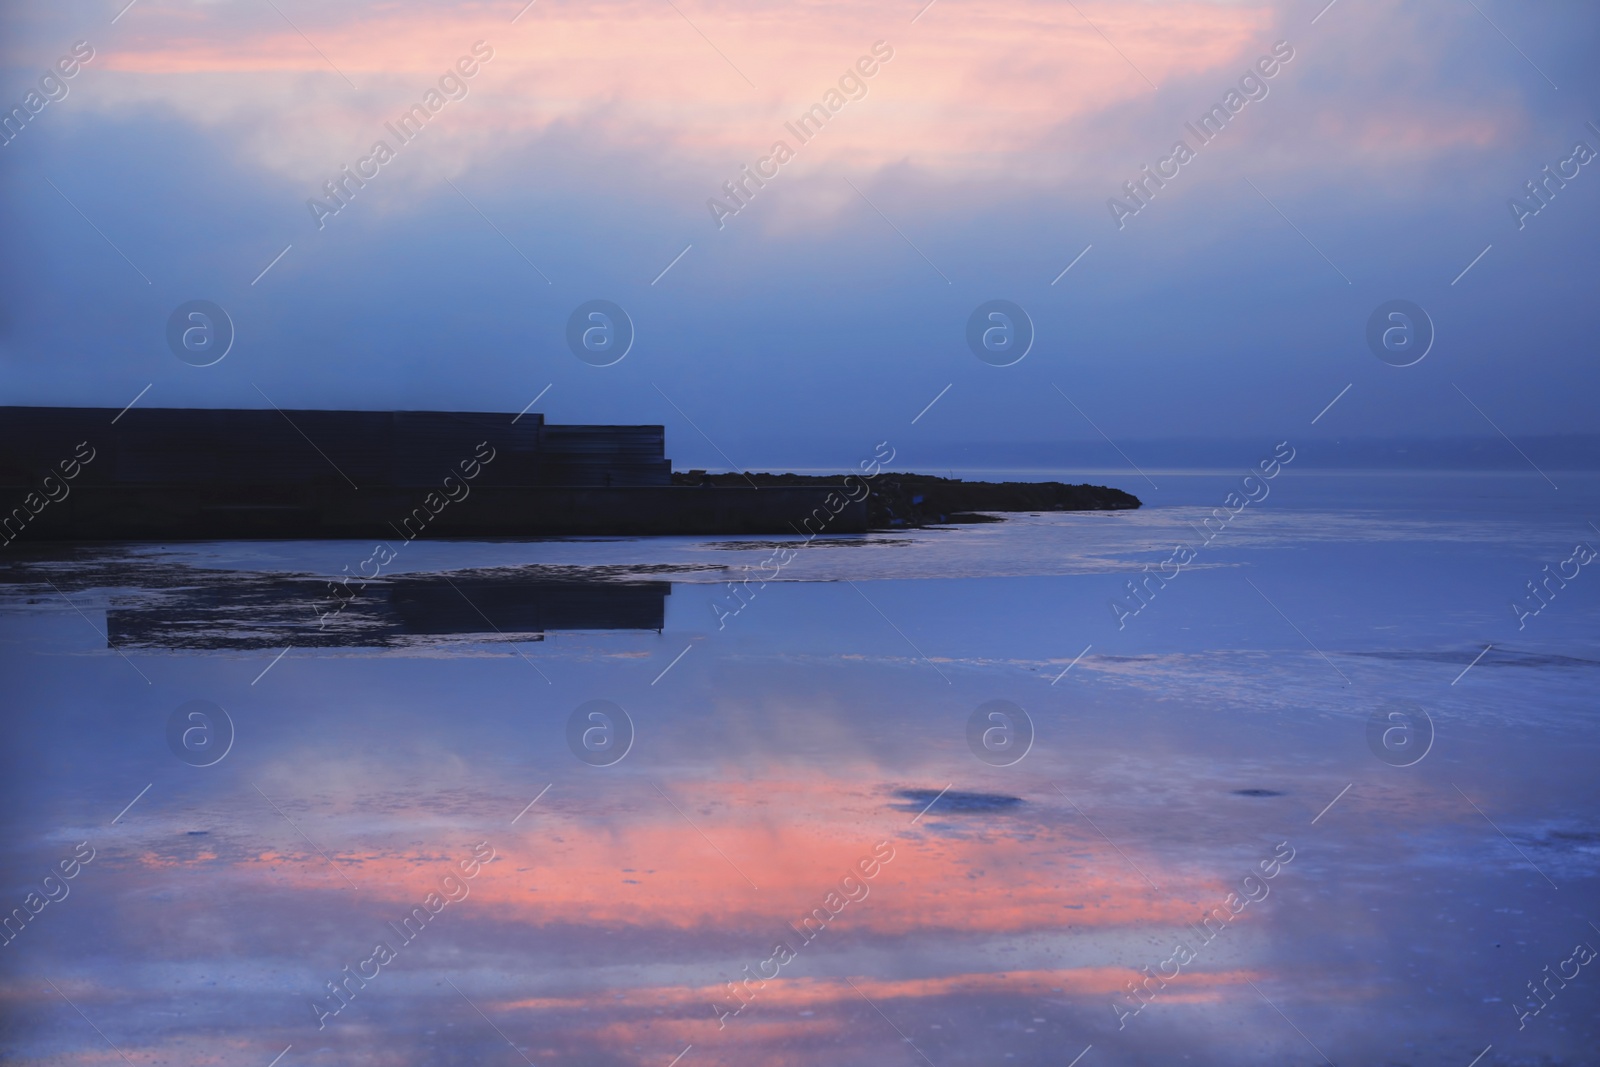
{"x": 1171, "y": 757}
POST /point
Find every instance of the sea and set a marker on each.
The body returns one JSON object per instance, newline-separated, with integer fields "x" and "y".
{"x": 1304, "y": 778}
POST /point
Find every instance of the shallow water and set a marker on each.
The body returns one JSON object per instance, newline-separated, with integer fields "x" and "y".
{"x": 821, "y": 728}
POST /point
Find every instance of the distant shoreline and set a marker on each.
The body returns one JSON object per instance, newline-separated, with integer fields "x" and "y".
{"x": 916, "y": 500}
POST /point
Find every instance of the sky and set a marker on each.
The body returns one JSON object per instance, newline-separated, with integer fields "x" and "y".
{"x": 585, "y": 157}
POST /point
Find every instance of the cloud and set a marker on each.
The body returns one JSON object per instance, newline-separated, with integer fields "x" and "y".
{"x": 983, "y": 157}
{"x": 967, "y": 93}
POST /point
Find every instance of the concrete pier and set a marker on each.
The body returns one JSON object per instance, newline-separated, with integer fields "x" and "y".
{"x": 202, "y": 474}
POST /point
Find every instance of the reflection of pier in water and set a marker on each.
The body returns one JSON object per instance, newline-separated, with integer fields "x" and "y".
{"x": 234, "y": 610}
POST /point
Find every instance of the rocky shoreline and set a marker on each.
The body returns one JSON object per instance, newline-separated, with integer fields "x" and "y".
{"x": 913, "y": 500}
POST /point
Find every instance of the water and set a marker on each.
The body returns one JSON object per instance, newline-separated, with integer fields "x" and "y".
{"x": 820, "y": 729}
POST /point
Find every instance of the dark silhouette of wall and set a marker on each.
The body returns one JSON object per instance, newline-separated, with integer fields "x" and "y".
{"x": 176, "y": 474}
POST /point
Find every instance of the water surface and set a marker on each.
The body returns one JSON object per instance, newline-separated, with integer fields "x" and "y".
{"x": 782, "y": 751}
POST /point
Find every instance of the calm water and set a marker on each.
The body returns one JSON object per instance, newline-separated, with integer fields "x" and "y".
{"x": 810, "y": 759}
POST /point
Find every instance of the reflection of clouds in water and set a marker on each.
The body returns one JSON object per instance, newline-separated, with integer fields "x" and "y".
{"x": 783, "y": 831}
{"x": 631, "y": 869}
{"x": 609, "y": 924}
